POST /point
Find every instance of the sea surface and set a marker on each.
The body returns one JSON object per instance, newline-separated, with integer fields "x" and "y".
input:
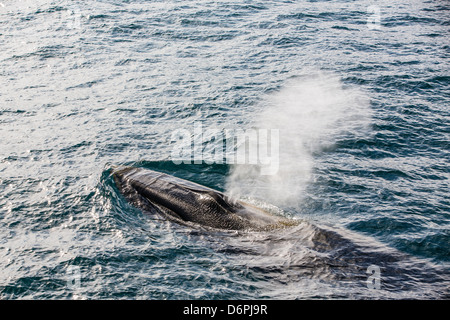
{"x": 358, "y": 91}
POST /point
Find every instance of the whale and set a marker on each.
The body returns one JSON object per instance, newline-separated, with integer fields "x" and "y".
{"x": 189, "y": 203}
{"x": 293, "y": 251}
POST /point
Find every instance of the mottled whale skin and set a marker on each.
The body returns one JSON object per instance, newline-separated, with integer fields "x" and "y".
{"x": 189, "y": 203}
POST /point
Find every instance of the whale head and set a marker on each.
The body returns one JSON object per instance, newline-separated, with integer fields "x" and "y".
{"x": 186, "y": 202}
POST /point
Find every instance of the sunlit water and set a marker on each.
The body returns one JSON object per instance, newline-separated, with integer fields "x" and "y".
{"x": 360, "y": 96}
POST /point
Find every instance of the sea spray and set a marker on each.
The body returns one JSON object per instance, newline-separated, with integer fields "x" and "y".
{"x": 312, "y": 113}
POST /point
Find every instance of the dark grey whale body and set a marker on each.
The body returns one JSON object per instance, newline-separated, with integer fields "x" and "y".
{"x": 186, "y": 202}
{"x": 336, "y": 256}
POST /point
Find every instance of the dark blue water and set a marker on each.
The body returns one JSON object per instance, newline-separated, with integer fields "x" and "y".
{"x": 360, "y": 96}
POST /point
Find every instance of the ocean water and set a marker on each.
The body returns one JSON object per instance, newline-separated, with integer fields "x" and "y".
{"x": 359, "y": 91}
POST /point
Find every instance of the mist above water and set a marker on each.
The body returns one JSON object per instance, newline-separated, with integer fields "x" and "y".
{"x": 311, "y": 113}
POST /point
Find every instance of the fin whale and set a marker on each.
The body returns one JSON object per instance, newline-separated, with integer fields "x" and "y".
{"x": 186, "y": 202}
